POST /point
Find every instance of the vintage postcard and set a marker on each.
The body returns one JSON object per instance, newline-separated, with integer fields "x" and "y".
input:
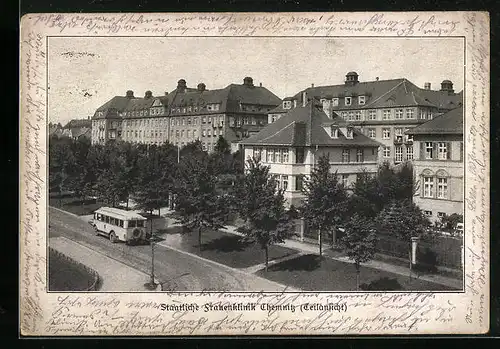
{"x": 254, "y": 174}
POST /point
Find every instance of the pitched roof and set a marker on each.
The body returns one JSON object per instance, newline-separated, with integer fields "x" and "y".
{"x": 385, "y": 93}
{"x": 304, "y": 126}
{"x": 78, "y": 123}
{"x": 451, "y": 122}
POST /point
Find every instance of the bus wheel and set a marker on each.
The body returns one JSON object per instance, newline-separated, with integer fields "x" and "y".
{"x": 96, "y": 231}
{"x": 112, "y": 237}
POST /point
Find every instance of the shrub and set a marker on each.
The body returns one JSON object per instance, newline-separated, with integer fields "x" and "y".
{"x": 382, "y": 284}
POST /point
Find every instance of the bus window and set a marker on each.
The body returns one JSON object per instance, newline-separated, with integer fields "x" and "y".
{"x": 98, "y": 216}
{"x": 140, "y": 224}
{"x": 113, "y": 221}
{"x": 131, "y": 224}
{"x": 121, "y": 223}
{"x": 106, "y": 219}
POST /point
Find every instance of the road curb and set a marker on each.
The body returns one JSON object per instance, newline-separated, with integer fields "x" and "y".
{"x": 63, "y": 211}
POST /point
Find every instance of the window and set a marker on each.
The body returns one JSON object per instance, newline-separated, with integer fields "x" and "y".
{"x": 345, "y": 155}
{"x": 344, "y": 115}
{"x": 120, "y": 223}
{"x": 372, "y": 115}
{"x": 428, "y": 213}
{"x": 351, "y": 116}
{"x": 348, "y": 100}
{"x": 203, "y": 133}
{"x": 345, "y": 180}
{"x": 270, "y": 155}
{"x": 409, "y": 152}
{"x": 287, "y": 104}
{"x": 131, "y": 224}
{"x": 441, "y": 215}
{"x": 277, "y": 155}
{"x": 359, "y": 155}
{"x": 428, "y": 150}
{"x": 257, "y": 153}
{"x": 300, "y": 155}
{"x": 209, "y": 133}
{"x": 334, "y": 132}
{"x": 372, "y": 133}
{"x": 361, "y": 100}
{"x": 386, "y": 133}
{"x": 442, "y": 188}
{"x": 204, "y": 120}
{"x": 387, "y": 152}
{"x": 399, "y": 113}
{"x": 358, "y": 115}
{"x": 386, "y": 114}
{"x": 335, "y": 102}
{"x": 284, "y": 157}
{"x": 410, "y": 113}
{"x": 428, "y": 187}
{"x": 106, "y": 219}
{"x": 350, "y": 132}
{"x": 442, "y": 151}
{"x": 299, "y": 182}
{"x": 399, "y": 153}
{"x": 284, "y": 182}
{"x": 140, "y": 224}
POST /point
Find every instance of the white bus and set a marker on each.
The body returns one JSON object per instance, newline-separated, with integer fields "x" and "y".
{"x": 120, "y": 225}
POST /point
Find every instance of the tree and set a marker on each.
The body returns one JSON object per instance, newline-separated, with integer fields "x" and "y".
{"x": 325, "y": 202}
{"x": 196, "y": 201}
{"x": 262, "y": 207}
{"x": 359, "y": 241}
{"x": 62, "y": 167}
{"x": 403, "y": 220}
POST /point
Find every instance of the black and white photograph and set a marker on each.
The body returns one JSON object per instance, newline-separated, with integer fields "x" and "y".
{"x": 314, "y": 164}
{"x": 206, "y": 174}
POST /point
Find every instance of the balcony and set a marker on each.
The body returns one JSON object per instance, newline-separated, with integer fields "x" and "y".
{"x": 398, "y": 140}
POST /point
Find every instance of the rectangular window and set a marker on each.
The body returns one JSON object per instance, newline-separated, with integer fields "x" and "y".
{"x": 386, "y": 133}
{"x": 284, "y": 182}
{"x": 277, "y": 155}
{"x": 131, "y": 224}
{"x": 284, "y": 158}
{"x": 441, "y": 215}
{"x": 299, "y": 182}
{"x": 140, "y": 224}
{"x": 428, "y": 187}
{"x": 386, "y": 114}
{"x": 203, "y": 133}
{"x": 387, "y": 152}
{"x": 399, "y": 153}
{"x": 442, "y": 188}
{"x": 345, "y": 155}
{"x": 300, "y": 155}
{"x": 442, "y": 151}
{"x": 348, "y": 100}
{"x": 372, "y": 115}
{"x": 270, "y": 155}
{"x": 359, "y": 155}
{"x": 429, "y": 149}
{"x": 399, "y": 113}
{"x": 409, "y": 152}
{"x": 351, "y": 116}
{"x": 428, "y": 214}
{"x": 335, "y": 102}
{"x": 358, "y": 115}
{"x": 345, "y": 181}
{"x": 410, "y": 113}
{"x": 361, "y": 100}
{"x": 209, "y": 133}
{"x": 372, "y": 133}
{"x": 344, "y": 115}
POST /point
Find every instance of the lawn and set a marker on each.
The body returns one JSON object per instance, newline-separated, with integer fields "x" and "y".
{"x": 67, "y": 276}
{"x": 74, "y": 205}
{"x": 307, "y": 273}
{"x": 222, "y": 247}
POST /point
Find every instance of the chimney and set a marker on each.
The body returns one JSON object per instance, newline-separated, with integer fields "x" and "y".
{"x": 447, "y": 85}
{"x": 427, "y": 86}
{"x": 148, "y": 94}
{"x": 351, "y": 78}
{"x": 260, "y": 84}
{"x": 248, "y": 81}
{"x": 312, "y": 85}
{"x": 376, "y": 79}
{"x": 166, "y": 93}
{"x": 130, "y": 94}
{"x": 201, "y": 87}
{"x": 304, "y": 98}
{"x": 181, "y": 85}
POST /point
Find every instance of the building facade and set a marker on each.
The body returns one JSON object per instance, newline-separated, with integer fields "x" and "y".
{"x": 185, "y": 115}
{"x": 439, "y": 165}
{"x": 292, "y": 145}
{"x": 382, "y": 110}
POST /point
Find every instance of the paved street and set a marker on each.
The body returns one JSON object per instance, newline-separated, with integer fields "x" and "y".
{"x": 178, "y": 271}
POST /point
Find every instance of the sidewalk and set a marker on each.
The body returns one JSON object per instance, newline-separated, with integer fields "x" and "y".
{"x": 115, "y": 276}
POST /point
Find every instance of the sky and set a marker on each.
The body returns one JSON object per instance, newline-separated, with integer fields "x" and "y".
{"x": 84, "y": 73}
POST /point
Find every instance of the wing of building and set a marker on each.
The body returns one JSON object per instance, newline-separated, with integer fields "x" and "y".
{"x": 382, "y": 109}
{"x": 185, "y": 115}
{"x": 292, "y": 145}
{"x": 439, "y": 164}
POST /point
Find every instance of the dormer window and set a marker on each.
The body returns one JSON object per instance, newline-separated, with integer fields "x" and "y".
{"x": 350, "y": 133}
{"x": 334, "y": 132}
{"x": 335, "y": 102}
{"x": 287, "y": 104}
{"x": 348, "y": 100}
{"x": 361, "y": 100}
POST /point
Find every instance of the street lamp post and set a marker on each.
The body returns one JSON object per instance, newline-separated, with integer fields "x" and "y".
{"x": 413, "y": 252}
